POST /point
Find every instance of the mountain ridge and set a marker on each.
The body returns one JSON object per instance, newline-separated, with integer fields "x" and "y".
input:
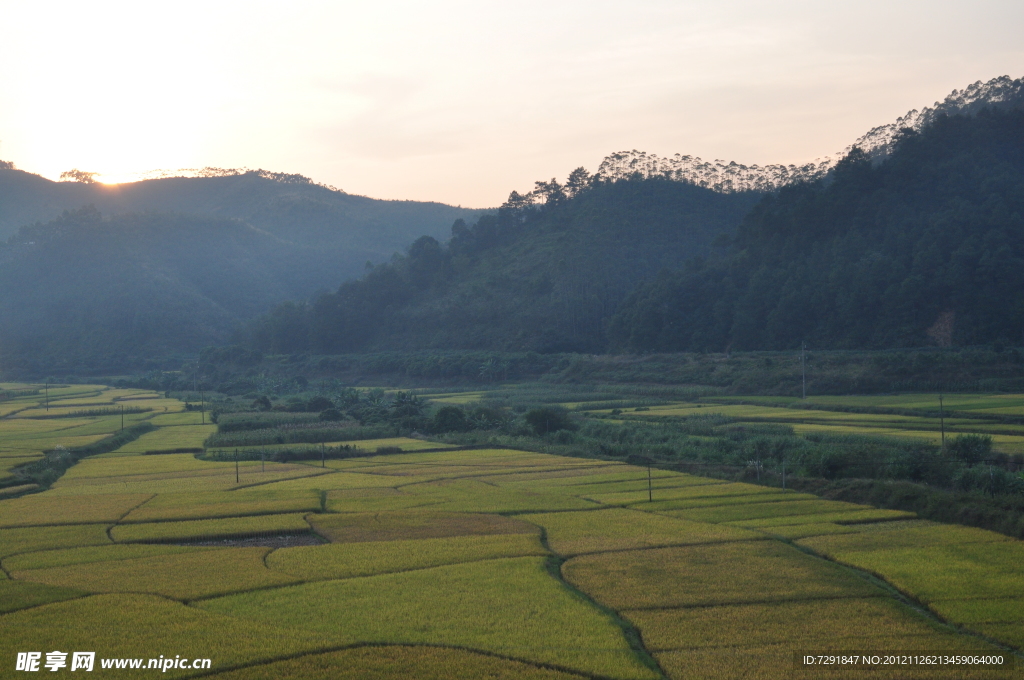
{"x": 877, "y": 143}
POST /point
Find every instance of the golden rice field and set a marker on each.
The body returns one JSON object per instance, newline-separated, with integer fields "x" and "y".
{"x": 487, "y": 563}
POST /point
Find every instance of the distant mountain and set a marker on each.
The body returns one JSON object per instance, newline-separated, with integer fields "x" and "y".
{"x": 171, "y": 265}
{"x": 353, "y": 229}
{"x": 1000, "y": 93}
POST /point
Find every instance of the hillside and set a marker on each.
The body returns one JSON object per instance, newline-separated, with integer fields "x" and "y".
{"x": 535, "y": 277}
{"x": 925, "y": 248}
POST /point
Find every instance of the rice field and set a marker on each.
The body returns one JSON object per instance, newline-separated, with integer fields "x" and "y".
{"x": 210, "y": 529}
{"x": 490, "y": 563}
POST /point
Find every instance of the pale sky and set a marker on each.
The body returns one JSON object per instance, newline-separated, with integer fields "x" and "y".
{"x": 462, "y": 102}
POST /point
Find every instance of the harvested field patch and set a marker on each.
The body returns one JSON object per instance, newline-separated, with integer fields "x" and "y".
{"x": 397, "y": 526}
{"x": 347, "y": 560}
{"x": 209, "y": 573}
{"x": 209, "y": 529}
{"x": 112, "y": 623}
{"x": 396, "y": 663}
{"x": 511, "y": 607}
{"x": 49, "y": 509}
{"x": 572, "y": 533}
{"x": 724, "y": 573}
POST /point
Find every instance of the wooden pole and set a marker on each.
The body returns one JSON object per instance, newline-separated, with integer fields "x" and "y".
{"x": 236, "y": 466}
{"x": 47, "y": 390}
{"x": 122, "y": 416}
{"x": 803, "y": 368}
{"x": 942, "y": 423}
{"x": 263, "y": 460}
{"x": 323, "y": 456}
{"x": 650, "y": 492}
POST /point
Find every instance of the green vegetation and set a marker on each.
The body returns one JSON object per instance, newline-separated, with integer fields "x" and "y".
{"x": 182, "y": 576}
{"x": 509, "y": 607}
{"x": 210, "y": 529}
{"x": 397, "y": 663}
{"x": 347, "y": 560}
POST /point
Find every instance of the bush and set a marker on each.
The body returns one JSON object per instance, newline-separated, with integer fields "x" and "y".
{"x": 549, "y": 419}
{"x": 331, "y": 415}
{"x": 450, "y": 419}
{"x": 319, "y": 403}
{"x": 971, "y": 448}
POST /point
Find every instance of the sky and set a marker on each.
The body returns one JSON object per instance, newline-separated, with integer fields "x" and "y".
{"x": 462, "y": 102}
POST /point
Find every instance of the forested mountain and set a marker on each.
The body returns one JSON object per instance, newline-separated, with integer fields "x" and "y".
{"x": 924, "y": 248}
{"x": 291, "y": 207}
{"x": 543, "y": 276}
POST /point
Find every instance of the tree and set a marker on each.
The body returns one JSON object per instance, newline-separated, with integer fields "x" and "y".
{"x": 76, "y": 175}
{"x": 449, "y": 419}
{"x": 549, "y": 419}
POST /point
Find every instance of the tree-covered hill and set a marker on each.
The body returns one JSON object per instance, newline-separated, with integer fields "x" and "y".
{"x": 544, "y": 273}
{"x": 924, "y": 248}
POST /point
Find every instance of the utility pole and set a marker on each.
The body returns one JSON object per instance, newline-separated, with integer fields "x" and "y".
{"x": 202, "y": 407}
{"x": 323, "y": 455}
{"x": 803, "y": 368}
{"x": 942, "y": 423}
{"x": 650, "y": 491}
{"x": 236, "y": 466}
{"x": 783, "y": 474}
{"x": 47, "y": 392}
{"x": 263, "y": 461}
{"x": 122, "y": 416}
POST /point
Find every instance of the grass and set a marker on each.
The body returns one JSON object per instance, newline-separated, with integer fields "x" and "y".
{"x": 375, "y": 500}
{"x": 346, "y": 560}
{"x": 258, "y": 500}
{"x": 110, "y": 625}
{"x": 397, "y": 663}
{"x": 942, "y": 572}
{"x": 510, "y": 607}
{"x": 15, "y": 595}
{"x": 86, "y": 555}
{"x": 210, "y": 529}
{"x": 725, "y": 573}
{"x": 865, "y": 516}
{"x": 683, "y": 504}
{"x": 794, "y": 623}
{"x": 473, "y": 496}
{"x": 182, "y": 576}
{"x": 901, "y": 536}
{"x": 573, "y": 533}
{"x": 735, "y": 513}
{"x": 48, "y": 509}
{"x": 398, "y": 526}
{"x": 169, "y": 438}
{"x": 220, "y": 478}
{"x": 987, "y": 610}
{"x": 30, "y": 539}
